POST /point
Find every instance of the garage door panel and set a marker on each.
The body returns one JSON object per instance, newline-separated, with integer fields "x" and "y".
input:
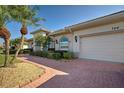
{"x": 106, "y": 47}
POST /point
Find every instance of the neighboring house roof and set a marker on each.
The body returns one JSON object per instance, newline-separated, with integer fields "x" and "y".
{"x": 111, "y": 18}
{"x": 41, "y": 30}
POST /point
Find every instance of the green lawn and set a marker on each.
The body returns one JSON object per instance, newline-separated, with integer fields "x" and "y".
{"x": 21, "y": 74}
{"x": 2, "y": 59}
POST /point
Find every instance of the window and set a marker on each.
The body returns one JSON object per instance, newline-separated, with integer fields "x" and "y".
{"x": 64, "y": 43}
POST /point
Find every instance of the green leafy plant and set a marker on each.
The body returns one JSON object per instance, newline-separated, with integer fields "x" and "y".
{"x": 44, "y": 53}
{"x": 5, "y": 18}
{"x": 50, "y": 55}
{"x": 57, "y": 56}
{"x": 26, "y": 15}
{"x": 67, "y": 55}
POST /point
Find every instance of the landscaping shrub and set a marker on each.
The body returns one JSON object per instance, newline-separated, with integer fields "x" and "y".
{"x": 67, "y": 55}
{"x": 26, "y": 51}
{"x": 53, "y": 55}
{"x": 50, "y": 55}
{"x": 44, "y": 53}
{"x": 12, "y": 51}
{"x": 22, "y": 51}
{"x": 38, "y": 53}
{"x": 57, "y": 56}
{"x": 61, "y": 52}
{"x": 1, "y": 50}
{"x": 32, "y": 53}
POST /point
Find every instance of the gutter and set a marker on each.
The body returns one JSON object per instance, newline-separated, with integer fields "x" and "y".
{"x": 111, "y": 18}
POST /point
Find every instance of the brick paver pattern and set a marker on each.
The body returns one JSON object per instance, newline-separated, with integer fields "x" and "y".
{"x": 83, "y": 73}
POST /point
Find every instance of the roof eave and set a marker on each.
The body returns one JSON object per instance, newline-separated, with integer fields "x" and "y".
{"x": 115, "y": 17}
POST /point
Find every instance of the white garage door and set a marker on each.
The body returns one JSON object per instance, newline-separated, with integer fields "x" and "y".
{"x": 106, "y": 47}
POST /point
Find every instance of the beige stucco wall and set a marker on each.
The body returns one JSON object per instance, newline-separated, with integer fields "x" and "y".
{"x": 108, "y": 27}
{"x": 69, "y": 36}
{"x": 25, "y": 46}
{"x": 75, "y": 46}
{"x": 37, "y": 48}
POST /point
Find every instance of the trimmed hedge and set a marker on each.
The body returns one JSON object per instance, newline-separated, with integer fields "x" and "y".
{"x": 67, "y": 55}
{"x": 53, "y": 55}
{"x": 1, "y": 50}
{"x": 57, "y": 56}
{"x": 39, "y": 53}
{"x": 23, "y": 51}
{"x": 44, "y": 53}
{"x": 50, "y": 55}
{"x": 11, "y": 51}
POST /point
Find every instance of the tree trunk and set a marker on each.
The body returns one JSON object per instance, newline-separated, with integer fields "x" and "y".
{"x": 7, "y": 41}
{"x": 19, "y": 48}
{"x": 21, "y": 45}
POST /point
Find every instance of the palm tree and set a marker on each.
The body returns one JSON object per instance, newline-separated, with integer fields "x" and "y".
{"x": 26, "y": 15}
{"x": 15, "y": 42}
{"x": 5, "y": 17}
{"x": 44, "y": 41}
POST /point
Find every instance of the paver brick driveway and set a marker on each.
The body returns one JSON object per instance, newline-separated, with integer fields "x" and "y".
{"x": 83, "y": 73}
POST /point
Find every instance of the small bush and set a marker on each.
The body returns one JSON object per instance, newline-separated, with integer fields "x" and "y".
{"x": 50, "y": 55}
{"x": 26, "y": 51}
{"x": 32, "y": 53}
{"x": 38, "y": 53}
{"x": 57, "y": 56}
{"x": 12, "y": 51}
{"x": 22, "y": 51}
{"x": 44, "y": 53}
{"x": 1, "y": 50}
{"x": 53, "y": 55}
{"x": 67, "y": 55}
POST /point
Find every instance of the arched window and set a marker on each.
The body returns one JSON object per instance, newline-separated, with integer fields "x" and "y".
{"x": 64, "y": 43}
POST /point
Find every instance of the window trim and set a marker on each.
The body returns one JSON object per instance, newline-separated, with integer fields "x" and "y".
{"x": 63, "y": 45}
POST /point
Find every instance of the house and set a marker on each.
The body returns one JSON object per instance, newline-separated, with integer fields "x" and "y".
{"x": 36, "y": 45}
{"x": 101, "y": 38}
{"x": 14, "y": 43}
{"x": 30, "y": 43}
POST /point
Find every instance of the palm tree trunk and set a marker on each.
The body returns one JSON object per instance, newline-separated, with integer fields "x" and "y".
{"x": 7, "y": 41}
{"x": 21, "y": 45}
{"x": 23, "y": 33}
{"x": 19, "y": 48}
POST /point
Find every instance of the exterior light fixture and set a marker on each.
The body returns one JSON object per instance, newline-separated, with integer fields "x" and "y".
{"x": 56, "y": 41}
{"x": 75, "y": 38}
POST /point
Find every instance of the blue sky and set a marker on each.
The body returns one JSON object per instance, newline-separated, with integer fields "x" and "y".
{"x": 58, "y": 17}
